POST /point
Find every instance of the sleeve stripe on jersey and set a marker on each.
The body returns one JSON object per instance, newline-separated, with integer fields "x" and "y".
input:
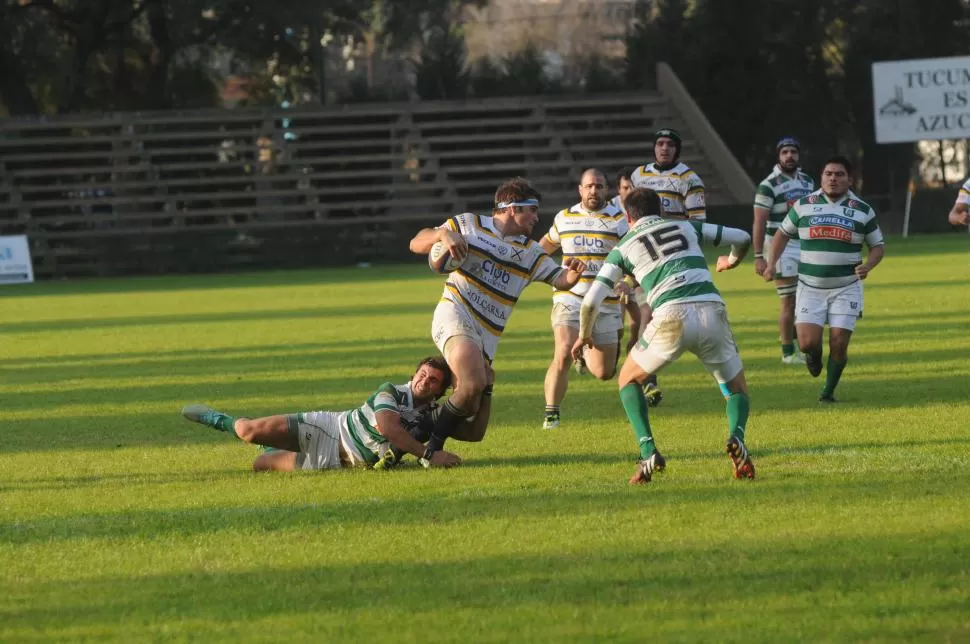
{"x": 606, "y": 280}
{"x": 717, "y": 237}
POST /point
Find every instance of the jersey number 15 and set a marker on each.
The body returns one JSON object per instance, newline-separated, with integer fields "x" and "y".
{"x": 664, "y": 242}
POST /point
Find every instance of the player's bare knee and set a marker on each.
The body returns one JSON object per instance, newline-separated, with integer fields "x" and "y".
{"x": 563, "y": 360}
{"x": 605, "y": 374}
{"x": 473, "y": 385}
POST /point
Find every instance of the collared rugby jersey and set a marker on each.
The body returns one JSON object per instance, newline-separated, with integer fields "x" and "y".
{"x": 588, "y": 236}
{"x": 831, "y": 236}
{"x": 680, "y": 189}
{"x": 495, "y": 272}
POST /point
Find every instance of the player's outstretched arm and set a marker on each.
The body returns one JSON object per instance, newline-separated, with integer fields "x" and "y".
{"x": 569, "y": 277}
{"x": 389, "y": 426}
{"x": 598, "y": 291}
{"x": 740, "y": 243}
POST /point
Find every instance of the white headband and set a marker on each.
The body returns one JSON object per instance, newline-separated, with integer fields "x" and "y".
{"x": 522, "y": 202}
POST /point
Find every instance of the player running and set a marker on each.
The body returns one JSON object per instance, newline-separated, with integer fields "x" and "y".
{"x": 499, "y": 261}
{"x": 775, "y": 195}
{"x": 831, "y": 225}
{"x": 681, "y": 192}
{"x": 664, "y": 255}
{"x": 586, "y": 231}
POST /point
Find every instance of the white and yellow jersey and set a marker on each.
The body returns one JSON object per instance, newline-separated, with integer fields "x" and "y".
{"x": 679, "y": 187}
{"x": 964, "y": 195}
{"x": 588, "y": 236}
{"x": 495, "y": 272}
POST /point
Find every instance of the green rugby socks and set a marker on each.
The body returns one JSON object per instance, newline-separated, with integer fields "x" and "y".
{"x": 635, "y": 406}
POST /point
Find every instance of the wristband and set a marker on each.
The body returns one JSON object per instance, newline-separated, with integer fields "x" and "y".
{"x": 487, "y": 391}
{"x": 425, "y": 459}
{"x": 759, "y": 255}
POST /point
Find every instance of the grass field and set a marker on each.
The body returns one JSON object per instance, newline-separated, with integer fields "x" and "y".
{"x": 120, "y": 521}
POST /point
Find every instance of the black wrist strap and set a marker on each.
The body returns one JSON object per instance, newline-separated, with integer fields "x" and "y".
{"x": 427, "y": 453}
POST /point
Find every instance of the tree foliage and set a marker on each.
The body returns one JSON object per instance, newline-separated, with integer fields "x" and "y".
{"x": 762, "y": 69}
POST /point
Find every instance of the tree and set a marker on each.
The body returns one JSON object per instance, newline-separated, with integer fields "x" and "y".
{"x": 440, "y": 70}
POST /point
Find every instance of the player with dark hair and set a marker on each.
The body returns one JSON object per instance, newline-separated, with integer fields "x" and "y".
{"x": 664, "y": 255}
{"x": 586, "y": 231}
{"x": 775, "y": 195}
{"x": 320, "y": 440}
{"x": 681, "y": 193}
{"x": 498, "y": 261}
{"x": 831, "y": 225}
{"x": 624, "y": 184}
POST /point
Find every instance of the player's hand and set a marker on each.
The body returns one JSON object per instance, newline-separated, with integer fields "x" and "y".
{"x": 862, "y": 271}
{"x": 769, "y": 273}
{"x": 623, "y": 291}
{"x": 759, "y": 265}
{"x": 455, "y": 243}
{"x": 724, "y": 264}
{"x": 577, "y": 351}
{"x": 963, "y": 218}
{"x": 441, "y": 458}
{"x": 574, "y": 265}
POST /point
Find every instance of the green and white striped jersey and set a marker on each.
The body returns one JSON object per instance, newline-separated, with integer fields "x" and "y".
{"x": 831, "y": 236}
{"x": 778, "y": 192}
{"x": 665, "y": 257}
{"x": 364, "y": 439}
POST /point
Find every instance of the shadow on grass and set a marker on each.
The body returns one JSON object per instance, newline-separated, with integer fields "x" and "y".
{"x": 442, "y": 505}
{"x": 536, "y": 595}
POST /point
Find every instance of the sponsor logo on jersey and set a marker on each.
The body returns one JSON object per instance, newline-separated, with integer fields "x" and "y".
{"x": 812, "y": 198}
{"x": 795, "y": 194}
{"x": 830, "y": 232}
{"x": 492, "y": 272}
{"x": 485, "y": 304}
{"x": 584, "y": 242}
{"x": 832, "y": 220}
{"x": 503, "y": 250}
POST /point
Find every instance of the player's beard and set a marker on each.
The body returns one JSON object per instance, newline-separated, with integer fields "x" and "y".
{"x": 593, "y": 204}
{"x": 789, "y": 166}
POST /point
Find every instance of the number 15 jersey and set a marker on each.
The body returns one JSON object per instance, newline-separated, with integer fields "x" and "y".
{"x": 665, "y": 257}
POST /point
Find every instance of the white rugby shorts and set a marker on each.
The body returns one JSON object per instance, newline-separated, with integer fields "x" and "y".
{"x": 787, "y": 265}
{"x": 609, "y": 319}
{"x": 699, "y": 327}
{"x": 451, "y": 320}
{"x": 319, "y": 433}
{"x": 840, "y": 307}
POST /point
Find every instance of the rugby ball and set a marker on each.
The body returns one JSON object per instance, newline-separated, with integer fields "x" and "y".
{"x": 440, "y": 260}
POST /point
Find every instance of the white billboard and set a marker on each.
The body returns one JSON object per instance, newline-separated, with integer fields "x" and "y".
{"x": 915, "y": 100}
{"x": 15, "y": 265}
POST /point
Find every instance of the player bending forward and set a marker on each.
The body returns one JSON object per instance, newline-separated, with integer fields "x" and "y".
{"x": 664, "y": 256}
{"x": 323, "y": 440}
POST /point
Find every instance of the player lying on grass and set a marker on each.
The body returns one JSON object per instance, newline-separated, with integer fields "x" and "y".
{"x": 361, "y": 437}
{"x": 664, "y": 255}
